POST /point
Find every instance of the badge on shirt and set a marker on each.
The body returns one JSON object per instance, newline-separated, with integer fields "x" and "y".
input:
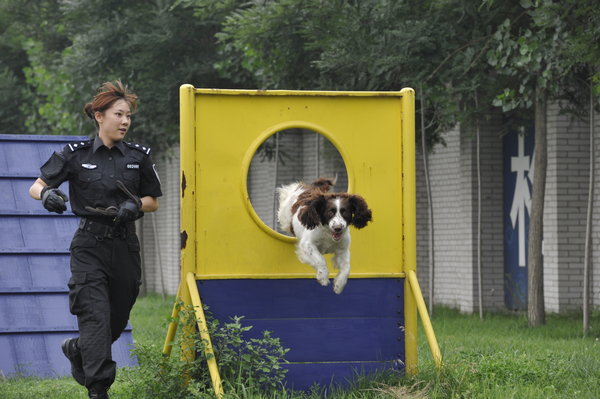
{"x": 133, "y": 166}
{"x": 89, "y": 166}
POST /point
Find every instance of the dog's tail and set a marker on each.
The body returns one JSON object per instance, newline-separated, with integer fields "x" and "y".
{"x": 287, "y": 196}
{"x": 324, "y": 184}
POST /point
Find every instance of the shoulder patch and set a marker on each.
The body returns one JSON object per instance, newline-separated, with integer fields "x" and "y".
{"x": 79, "y": 145}
{"x": 139, "y": 147}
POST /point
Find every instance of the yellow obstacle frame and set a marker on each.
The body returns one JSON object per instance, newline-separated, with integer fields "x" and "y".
{"x": 195, "y": 267}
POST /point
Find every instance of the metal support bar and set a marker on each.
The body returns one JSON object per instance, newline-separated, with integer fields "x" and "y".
{"x": 418, "y": 296}
{"x": 172, "y": 325}
{"x": 203, "y": 328}
{"x": 192, "y": 290}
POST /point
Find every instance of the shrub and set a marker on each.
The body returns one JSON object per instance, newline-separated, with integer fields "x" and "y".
{"x": 248, "y": 364}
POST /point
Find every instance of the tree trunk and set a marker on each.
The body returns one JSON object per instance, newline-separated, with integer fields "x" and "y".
{"x": 587, "y": 260}
{"x": 479, "y": 266}
{"x": 429, "y": 204}
{"x": 535, "y": 277}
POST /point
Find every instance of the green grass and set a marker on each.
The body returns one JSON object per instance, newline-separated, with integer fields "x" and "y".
{"x": 499, "y": 357}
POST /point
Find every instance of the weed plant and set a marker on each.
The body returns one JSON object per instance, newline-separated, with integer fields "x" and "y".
{"x": 250, "y": 364}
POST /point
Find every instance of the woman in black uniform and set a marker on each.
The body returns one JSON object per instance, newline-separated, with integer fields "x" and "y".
{"x": 111, "y": 184}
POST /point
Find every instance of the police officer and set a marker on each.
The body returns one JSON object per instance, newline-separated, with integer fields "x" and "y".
{"x": 111, "y": 184}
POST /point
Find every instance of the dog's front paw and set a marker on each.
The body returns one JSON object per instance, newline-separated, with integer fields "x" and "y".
{"x": 339, "y": 284}
{"x": 323, "y": 277}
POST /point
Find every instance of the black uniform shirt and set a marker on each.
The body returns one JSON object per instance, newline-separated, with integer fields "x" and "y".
{"x": 93, "y": 169}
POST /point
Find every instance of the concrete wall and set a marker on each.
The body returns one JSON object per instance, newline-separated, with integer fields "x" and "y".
{"x": 159, "y": 231}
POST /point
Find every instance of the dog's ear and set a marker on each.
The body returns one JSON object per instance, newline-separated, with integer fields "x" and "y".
{"x": 362, "y": 213}
{"x": 310, "y": 215}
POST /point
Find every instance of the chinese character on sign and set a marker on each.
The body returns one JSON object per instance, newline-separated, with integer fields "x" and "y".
{"x": 521, "y": 202}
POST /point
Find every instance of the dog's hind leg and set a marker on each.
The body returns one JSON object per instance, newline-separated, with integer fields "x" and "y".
{"x": 309, "y": 254}
{"x": 341, "y": 261}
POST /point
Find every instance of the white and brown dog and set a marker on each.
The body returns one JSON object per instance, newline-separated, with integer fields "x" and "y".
{"x": 320, "y": 220}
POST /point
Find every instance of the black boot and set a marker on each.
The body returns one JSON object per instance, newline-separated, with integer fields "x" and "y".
{"x": 97, "y": 392}
{"x": 72, "y": 352}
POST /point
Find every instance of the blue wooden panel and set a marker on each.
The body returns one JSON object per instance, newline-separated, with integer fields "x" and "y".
{"x": 15, "y": 199}
{"x": 345, "y": 339}
{"x": 35, "y": 312}
{"x": 40, "y": 355}
{"x": 301, "y": 376}
{"x": 303, "y": 298}
{"x": 37, "y": 233}
{"x": 34, "y": 273}
{"x": 23, "y": 155}
{"x": 330, "y": 336}
{"x": 34, "y": 266}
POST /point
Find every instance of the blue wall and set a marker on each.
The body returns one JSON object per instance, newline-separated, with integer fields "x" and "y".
{"x": 34, "y": 266}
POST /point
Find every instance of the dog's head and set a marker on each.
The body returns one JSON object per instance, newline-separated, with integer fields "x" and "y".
{"x": 336, "y": 211}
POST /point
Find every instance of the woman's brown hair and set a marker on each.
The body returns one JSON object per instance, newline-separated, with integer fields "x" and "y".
{"x": 108, "y": 93}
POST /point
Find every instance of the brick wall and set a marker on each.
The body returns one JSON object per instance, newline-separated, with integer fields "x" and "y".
{"x": 565, "y": 210}
{"x": 453, "y": 277}
{"x": 595, "y": 286}
{"x": 160, "y": 231}
{"x": 453, "y": 177}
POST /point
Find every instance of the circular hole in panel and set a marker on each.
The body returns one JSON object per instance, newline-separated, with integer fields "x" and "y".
{"x": 288, "y": 156}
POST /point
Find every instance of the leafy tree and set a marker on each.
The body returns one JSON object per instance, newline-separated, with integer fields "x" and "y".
{"x": 153, "y": 46}
{"x": 49, "y": 90}
{"x": 12, "y": 61}
{"x": 340, "y": 45}
{"x": 32, "y": 36}
{"x": 581, "y": 21}
{"x": 533, "y": 56}
{"x": 11, "y": 119}
{"x": 74, "y": 46}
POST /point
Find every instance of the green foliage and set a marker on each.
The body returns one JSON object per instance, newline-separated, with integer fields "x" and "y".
{"x": 251, "y": 364}
{"x": 550, "y": 46}
{"x": 75, "y": 46}
{"x": 580, "y": 22}
{"x": 11, "y": 119}
{"x": 50, "y": 89}
{"x": 55, "y": 53}
{"x": 532, "y": 58}
{"x": 12, "y": 61}
{"x": 340, "y": 45}
{"x": 154, "y": 47}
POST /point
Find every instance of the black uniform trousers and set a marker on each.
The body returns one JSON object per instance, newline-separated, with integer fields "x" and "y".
{"x": 104, "y": 284}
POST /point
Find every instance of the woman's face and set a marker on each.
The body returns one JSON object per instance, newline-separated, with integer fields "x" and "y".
{"x": 114, "y": 122}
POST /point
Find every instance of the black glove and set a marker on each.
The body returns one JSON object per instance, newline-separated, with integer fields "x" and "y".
{"x": 54, "y": 200}
{"x": 128, "y": 211}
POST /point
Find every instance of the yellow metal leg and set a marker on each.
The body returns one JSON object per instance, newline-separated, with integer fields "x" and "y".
{"x": 429, "y": 333}
{"x": 168, "y": 346}
{"x": 203, "y": 328}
